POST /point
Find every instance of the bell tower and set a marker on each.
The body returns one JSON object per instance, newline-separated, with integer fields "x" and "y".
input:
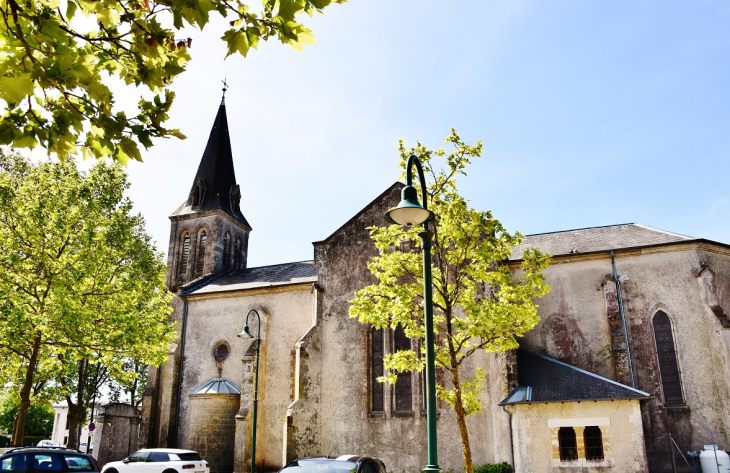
{"x": 208, "y": 233}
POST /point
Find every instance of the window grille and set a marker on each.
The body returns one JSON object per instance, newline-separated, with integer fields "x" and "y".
{"x": 183, "y": 269}
{"x": 376, "y": 368}
{"x": 568, "y": 445}
{"x": 403, "y": 389}
{"x": 200, "y": 254}
{"x": 593, "y": 442}
{"x": 667, "y": 356}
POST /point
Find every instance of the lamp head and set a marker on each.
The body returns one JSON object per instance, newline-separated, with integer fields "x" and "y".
{"x": 245, "y": 333}
{"x": 409, "y": 211}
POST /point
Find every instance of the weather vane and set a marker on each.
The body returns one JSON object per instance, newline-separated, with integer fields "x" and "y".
{"x": 225, "y": 87}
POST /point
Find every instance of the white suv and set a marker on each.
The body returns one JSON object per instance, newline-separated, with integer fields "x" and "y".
{"x": 160, "y": 460}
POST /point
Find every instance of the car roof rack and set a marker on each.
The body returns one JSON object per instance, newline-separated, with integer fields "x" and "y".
{"x": 43, "y": 447}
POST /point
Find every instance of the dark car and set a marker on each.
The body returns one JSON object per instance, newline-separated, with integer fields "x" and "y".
{"x": 335, "y": 464}
{"x": 42, "y": 459}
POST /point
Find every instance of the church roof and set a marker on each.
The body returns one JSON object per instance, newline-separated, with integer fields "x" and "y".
{"x": 285, "y": 274}
{"x": 217, "y": 386}
{"x": 216, "y": 174}
{"x": 545, "y": 379}
{"x": 589, "y": 240}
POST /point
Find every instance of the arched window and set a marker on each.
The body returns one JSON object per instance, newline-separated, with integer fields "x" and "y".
{"x": 226, "y": 250}
{"x": 593, "y": 441}
{"x": 567, "y": 444}
{"x": 376, "y": 370}
{"x": 237, "y": 254}
{"x": 196, "y": 197}
{"x": 184, "y": 255}
{"x": 403, "y": 388}
{"x": 200, "y": 254}
{"x": 667, "y": 356}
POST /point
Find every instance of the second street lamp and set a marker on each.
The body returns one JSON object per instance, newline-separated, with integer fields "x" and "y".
{"x": 247, "y": 334}
{"x": 410, "y": 212}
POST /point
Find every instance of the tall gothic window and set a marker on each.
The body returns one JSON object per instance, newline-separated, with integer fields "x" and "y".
{"x": 200, "y": 254}
{"x": 376, "y": 369}
{"x": 226, "y": 250}
{"x": 237, "y": 254}
{"x": 567, "y": 444}
{"x": 593, "y": 441}
{"x": 184, "y": 255}
{"x": 667, "y": 356}
{"x": 403, "y": 389}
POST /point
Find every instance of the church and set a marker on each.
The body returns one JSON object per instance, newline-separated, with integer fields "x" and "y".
{"x": 631, "y": 356}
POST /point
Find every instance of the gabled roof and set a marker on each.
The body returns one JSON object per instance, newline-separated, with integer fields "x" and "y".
{"x": 545, "y": 379}
{"x": 216, "y": 173}
{"x": 285, "y": 274}
{"x": 217, "y": 386}
{"x": 588, "y": 240}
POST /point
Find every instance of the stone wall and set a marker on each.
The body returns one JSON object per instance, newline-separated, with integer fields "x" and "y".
{"x": 117, "y": 433}
{"x": 212, "y": 427}
{"x": 535, "y": 434}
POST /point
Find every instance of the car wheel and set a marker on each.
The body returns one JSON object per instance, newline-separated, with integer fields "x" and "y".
{"x": 170, "y": 470}
{"x": 111, "y": 470}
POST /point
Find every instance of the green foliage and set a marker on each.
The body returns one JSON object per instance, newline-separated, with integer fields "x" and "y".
{"x": 503, "y": 467}
{"x": 81, "y": 279}
{"x": 480, "y": 304}
{"x": 57, "y": 60}
{"x": 39, "y": 422}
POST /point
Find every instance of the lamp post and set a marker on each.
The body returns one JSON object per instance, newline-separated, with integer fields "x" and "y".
{"x": 247, "y": 334}
{"x": 410, "y": 212}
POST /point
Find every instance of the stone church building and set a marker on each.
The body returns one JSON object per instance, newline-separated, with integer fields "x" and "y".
{"x": 630, "y": 306}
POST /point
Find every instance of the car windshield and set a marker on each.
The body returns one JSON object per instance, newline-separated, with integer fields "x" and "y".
{"x": 320, "y": 466}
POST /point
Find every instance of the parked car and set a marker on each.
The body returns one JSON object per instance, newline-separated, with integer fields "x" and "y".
{"x": 335, "y": 464}
{"x": 160, "y": 460}
{"x": 37, "y": 459}
{"x": 48, "y": 443}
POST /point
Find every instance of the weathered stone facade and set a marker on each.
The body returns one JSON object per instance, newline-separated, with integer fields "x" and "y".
{"x": 117, "y": 432}
{"x": 316, "y": 364}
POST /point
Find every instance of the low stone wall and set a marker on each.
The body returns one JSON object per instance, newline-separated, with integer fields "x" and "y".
{"x": 212, "y": 429}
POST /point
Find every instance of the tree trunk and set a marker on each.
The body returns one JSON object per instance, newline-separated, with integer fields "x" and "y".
{"x": 75, "y": 416}
{"x": 19, "y": 429}
{"x": 461, "y": 420}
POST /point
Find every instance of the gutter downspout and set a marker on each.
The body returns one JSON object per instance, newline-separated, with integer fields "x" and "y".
{"x": 623, "y": 320}
{"x": 511, "y": 437}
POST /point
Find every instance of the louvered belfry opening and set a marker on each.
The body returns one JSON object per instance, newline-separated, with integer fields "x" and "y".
{"x": 568, "y": 445}
{"x": 184, "y": 256}
{"x": 593, "y": 441}
{"x": 376, "y": 370}
{"x": 403, "y": 388}
{"x": 200, "y": 254}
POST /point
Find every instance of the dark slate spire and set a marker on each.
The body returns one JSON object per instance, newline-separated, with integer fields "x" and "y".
{"x": 214, "y": 187}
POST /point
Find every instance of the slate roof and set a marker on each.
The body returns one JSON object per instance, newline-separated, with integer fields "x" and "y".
{"x": 263, "y": 276}
{"x": 217, "y": 386}
{"x": 587, "y": 240}
{"x": 545, "y": 379}
{"x": 216, "y": 171}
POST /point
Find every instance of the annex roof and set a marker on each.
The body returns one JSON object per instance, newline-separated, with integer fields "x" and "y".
{"x": 216, "y": 173}
{"x": 217, "y": 386}
{"x": 264, "y": 276}
{"x": 545, "y": 379}
{"x": 588, "y": 240}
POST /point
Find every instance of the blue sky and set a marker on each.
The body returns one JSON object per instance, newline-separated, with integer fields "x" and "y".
{"x": 591, "y": 113}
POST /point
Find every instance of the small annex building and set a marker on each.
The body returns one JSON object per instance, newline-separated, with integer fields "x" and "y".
{"x": 633, "y": 345}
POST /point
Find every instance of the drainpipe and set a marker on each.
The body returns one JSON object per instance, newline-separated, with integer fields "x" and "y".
{"x": 623, "y": 320}
{"x": 511, "y": 437}
{"x": 182, "y": 360}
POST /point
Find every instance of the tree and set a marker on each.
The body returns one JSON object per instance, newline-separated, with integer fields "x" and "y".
{"x": 38, "y": 423}
{"x": 56, "y": 66}
{"x": 80, "y": 279}
{"x": 479, "y": 304}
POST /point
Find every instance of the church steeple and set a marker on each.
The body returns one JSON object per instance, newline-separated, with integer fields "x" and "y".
{"x": 209, "y": 233}
{"x": 214, "y": 187}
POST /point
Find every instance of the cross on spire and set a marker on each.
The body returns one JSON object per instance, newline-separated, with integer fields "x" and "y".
{"x": 225, "y": 87}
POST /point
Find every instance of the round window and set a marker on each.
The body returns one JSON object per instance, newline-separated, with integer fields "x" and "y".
{"x": 221, "y": 350}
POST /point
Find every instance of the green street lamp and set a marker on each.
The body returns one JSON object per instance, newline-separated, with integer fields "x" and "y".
{"x": 247, "y": 334}
{"x": 410, "y": 212}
